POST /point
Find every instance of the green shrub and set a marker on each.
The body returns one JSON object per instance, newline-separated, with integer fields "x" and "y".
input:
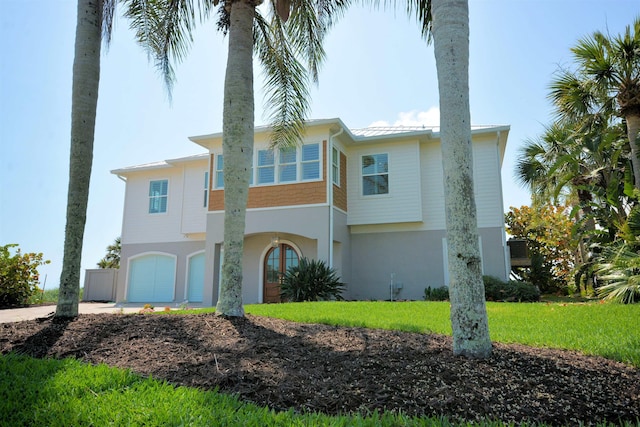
{"x": 18, "y": 275}
{"x": 513, "y": 290}
{"x": 311, "y": 280}
{"x": 436, "y": 294}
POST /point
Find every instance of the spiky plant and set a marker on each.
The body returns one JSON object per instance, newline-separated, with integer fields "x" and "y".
{"x": 311, "y": 280}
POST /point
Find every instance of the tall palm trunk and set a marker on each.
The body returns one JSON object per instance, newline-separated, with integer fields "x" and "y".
{"x": 86, "y": 76}
{"x": 237, "y": 148}
{"x": 633, "y": 133}
{"x": 466, "y": 290}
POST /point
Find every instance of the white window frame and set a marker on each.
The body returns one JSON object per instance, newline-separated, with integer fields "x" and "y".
{"x": 218, "y": 171}
{"x": 282, "y": 164}
{"x": 158, "y": 197}
{"x": 335, "y": 165}
{"x": 206, "y": 189}
{"x": 277, "y": 166}
{"x": 266, "y": 166}
{"x": 363, "y": 175}
{"x": 308, "y": 162}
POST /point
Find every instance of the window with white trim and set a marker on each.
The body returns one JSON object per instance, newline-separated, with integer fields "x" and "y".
{"x": 218, "y": 171}
{"x": 310, "y": 161}
{"x": 266, "y": 167}
{"x": 335, "y": 166}
{"x": 158, "y": 195}
{"x": 375, "y": 174}
{"x": 206, "y": 189}
{"x": 287, "y": 165}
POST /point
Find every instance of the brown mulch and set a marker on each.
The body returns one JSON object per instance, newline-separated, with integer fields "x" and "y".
{"x": 338, "y": 370}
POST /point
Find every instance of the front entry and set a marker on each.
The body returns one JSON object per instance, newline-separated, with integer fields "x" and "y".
{"x": 276, "y": 263}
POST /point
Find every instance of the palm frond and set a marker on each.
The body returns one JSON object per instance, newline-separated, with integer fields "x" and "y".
{"x": 286, "y": 82}
{"x": 306, "y": 33}
{"x": 108, "y": 14}
{"x": 164, "y": 28}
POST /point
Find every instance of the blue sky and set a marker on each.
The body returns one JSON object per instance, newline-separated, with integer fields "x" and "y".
{"x": 378, "y": 70}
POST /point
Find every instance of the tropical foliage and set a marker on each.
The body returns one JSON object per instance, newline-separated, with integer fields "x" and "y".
{"x": 587, "y": 160}
{"x": 311, "y": 280}
{"x": 18, "y": 275}
{"x": 547, "y": 230}
{"x": 510, "y": 291}
{"x": 112, "y": 258}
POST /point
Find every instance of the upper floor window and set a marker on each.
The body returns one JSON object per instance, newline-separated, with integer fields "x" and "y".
{"x": 375, "y": 174}
{"x": 310, "y": 161}
{"x": 335, "y": 166}
{"x": 287, "y": 165}
{"x": 158, "y": 194}
{"x": 266, "y": 166}
{"x": 206, "y": 189}
{"x": 219, "y": 174}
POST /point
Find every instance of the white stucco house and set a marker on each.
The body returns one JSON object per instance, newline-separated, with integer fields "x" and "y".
{"x": 369, "y": 202}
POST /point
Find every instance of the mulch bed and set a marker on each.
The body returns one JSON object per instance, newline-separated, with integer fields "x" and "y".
{"x": 339, "y": 370}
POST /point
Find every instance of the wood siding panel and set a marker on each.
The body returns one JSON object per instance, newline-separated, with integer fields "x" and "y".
{"x": 268, "y": 196}
{"x": 340, "y": 193}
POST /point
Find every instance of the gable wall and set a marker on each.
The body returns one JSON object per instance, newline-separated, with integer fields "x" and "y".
{"x": 403, "y": 203}
{"x": 185, "y": 213}
{"x": 194, "y": 213}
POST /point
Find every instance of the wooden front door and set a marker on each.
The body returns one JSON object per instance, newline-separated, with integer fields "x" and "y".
{"x": 276, "y": 263}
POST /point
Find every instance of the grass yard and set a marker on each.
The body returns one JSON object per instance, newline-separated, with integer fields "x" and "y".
{"x": 608, "y": 330}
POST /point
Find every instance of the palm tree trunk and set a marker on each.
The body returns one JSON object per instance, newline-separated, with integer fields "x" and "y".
{"x": 86, "y": 77}
{"x": 633, "y": 131}
{"x": 237, "y": 148}
{"x": 466, "y": 289}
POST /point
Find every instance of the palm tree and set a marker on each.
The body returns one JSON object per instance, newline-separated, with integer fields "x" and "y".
{"x": 93, "y": 23}
{"x": 607, "y": 81}
{"x": 586, "y": 168}
{"x": 295, "y": 30}
{"x": 112, "y": 258}
{"x": 466, "y": 290}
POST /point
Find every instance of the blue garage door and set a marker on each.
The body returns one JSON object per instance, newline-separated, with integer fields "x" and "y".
{"x": 152, "y": 279}
{"x": 196, "y": 278}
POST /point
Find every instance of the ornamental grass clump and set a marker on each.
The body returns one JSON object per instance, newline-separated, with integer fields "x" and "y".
{"x": 311, "y": 280}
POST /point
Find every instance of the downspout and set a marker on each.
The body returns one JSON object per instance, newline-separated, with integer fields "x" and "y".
{"x": 330, "y": 190}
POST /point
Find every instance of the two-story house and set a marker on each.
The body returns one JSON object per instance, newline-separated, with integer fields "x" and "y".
{"x": 369, "y": 202}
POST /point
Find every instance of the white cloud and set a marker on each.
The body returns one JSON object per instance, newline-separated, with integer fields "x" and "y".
{"x": 431, "y": 117}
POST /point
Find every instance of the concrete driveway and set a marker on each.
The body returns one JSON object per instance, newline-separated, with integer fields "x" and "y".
{"x": 30, "y": 313}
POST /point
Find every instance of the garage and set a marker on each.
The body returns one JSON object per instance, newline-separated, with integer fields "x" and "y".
{"x": 152, "y": 278}
{"x": 195, "y": 278}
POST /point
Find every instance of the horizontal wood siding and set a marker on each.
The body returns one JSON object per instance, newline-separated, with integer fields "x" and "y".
{"x": 340, "y": 193}
{"x": 487, "y": 185}
{"x": 431, "y": 175}
{"x": 194, "y": 212}
{"x": 488, "y": 188}
{"x": 138, "y": 225}
{"x": 404, "y": 201}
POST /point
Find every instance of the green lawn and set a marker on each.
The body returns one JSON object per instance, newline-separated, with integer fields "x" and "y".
{"x": 609, "y": 330}
{"x": 67, "y": 392}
